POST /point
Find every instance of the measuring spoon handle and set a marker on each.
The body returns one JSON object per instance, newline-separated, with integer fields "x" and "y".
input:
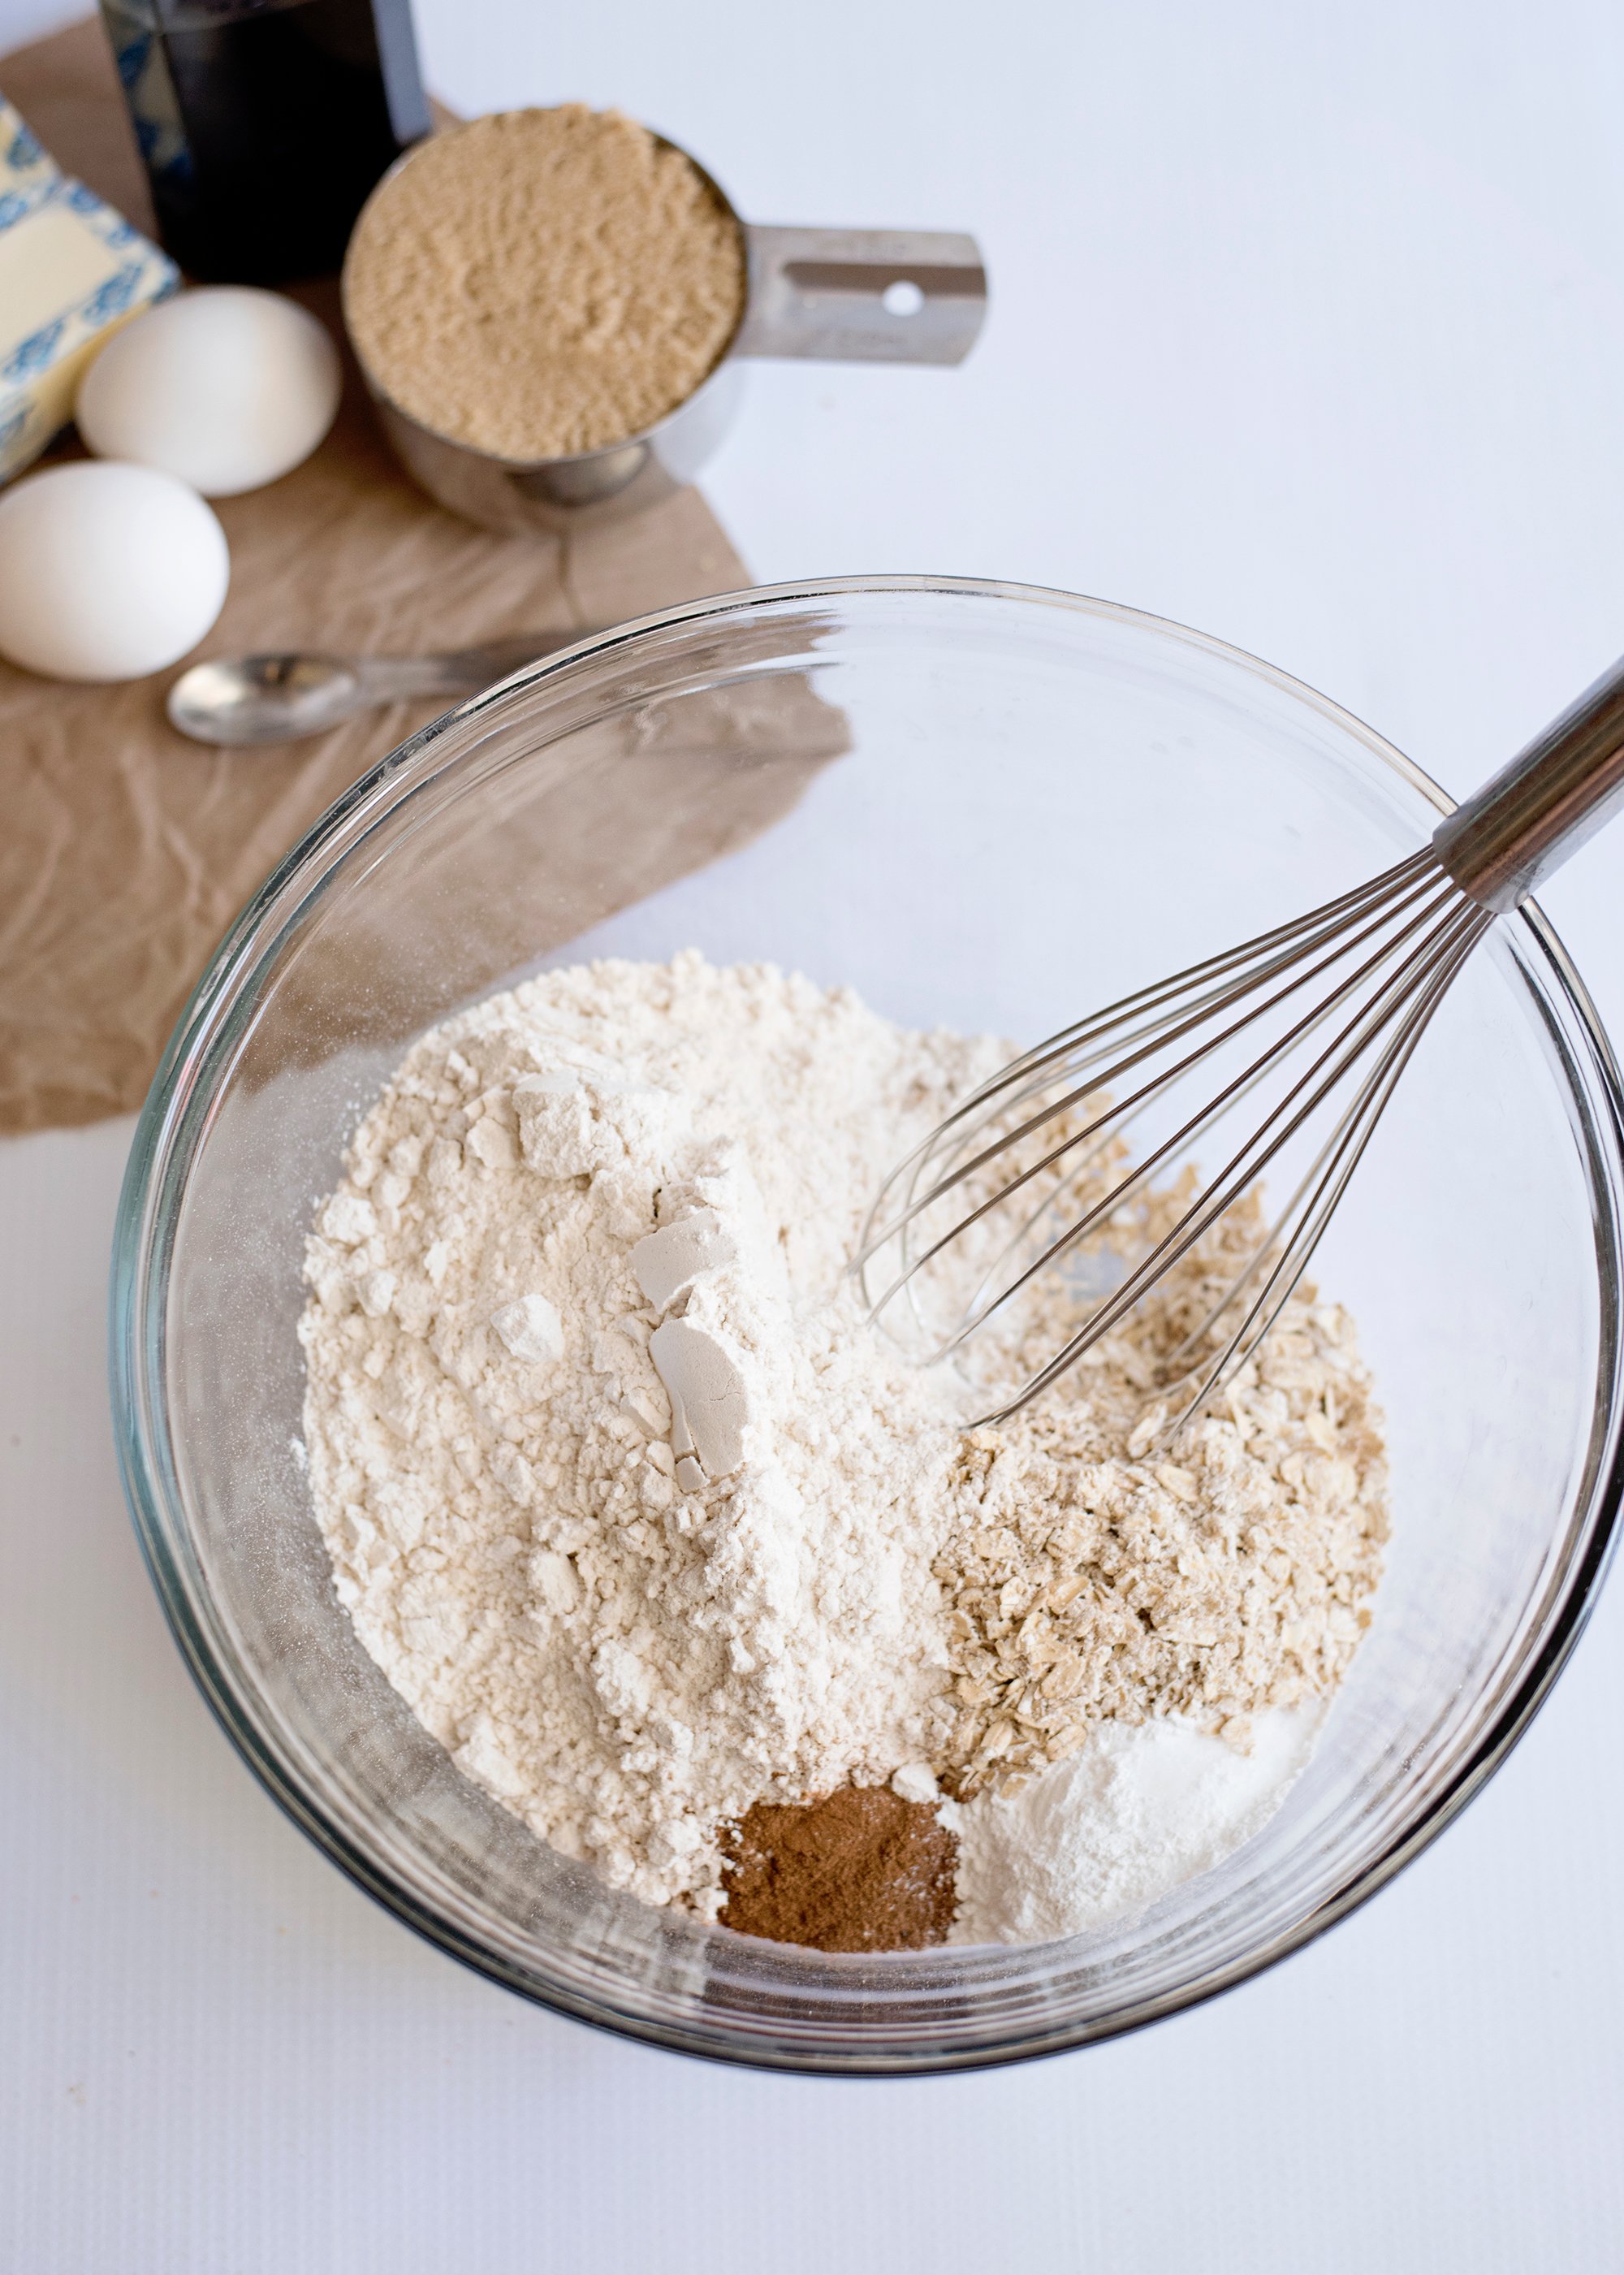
{"x": 460, "y": 671}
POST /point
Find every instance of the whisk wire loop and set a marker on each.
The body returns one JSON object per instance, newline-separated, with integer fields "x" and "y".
{"x": 1380, "y": 956}
{"x": 1246, "y": 1166}
{"x": 1287, "y": 938}
{"x": 1115, "y": 1117}
{"x": 1146, "y": 1044}
{"x": 1335, "y": 1164}
{"x": 1029, "y": 1064}
{"x": 1384, "y": 954}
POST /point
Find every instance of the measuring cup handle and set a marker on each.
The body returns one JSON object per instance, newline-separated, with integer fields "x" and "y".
{"x": 862, "y": 295}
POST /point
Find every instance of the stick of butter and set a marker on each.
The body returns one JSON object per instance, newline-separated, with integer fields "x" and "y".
{"x": 71, "y": 271}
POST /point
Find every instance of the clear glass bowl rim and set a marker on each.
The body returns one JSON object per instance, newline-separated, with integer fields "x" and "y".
{"x": 149, "y": 1203}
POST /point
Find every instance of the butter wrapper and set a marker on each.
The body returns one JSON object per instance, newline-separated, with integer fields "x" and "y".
{"x": 71, "y": 271}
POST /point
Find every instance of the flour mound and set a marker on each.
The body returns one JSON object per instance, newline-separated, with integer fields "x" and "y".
{"x": 621, "y": 1492}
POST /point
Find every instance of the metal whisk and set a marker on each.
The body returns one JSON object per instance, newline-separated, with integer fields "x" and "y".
{"x": 1314, "y": 1023}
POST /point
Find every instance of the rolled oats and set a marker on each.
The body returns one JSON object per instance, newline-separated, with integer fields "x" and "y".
{"x": 1090, "y": 1581}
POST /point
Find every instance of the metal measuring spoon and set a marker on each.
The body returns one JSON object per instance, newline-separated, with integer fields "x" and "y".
{"x": 245, "y": 702}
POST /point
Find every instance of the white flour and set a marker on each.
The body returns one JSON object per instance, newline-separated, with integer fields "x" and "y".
{"x": 630, "y": 1614}
{"x": 1100, "y": 1837}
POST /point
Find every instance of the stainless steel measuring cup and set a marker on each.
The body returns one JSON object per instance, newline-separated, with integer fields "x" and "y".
{"x": 828, "y": 295}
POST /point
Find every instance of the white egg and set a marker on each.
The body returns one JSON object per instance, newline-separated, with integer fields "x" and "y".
{"x": 107, "y": 571}
{"x": 226, "y": 389}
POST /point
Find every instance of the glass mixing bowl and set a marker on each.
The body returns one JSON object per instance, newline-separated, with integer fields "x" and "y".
{"x": 985, "y": 806}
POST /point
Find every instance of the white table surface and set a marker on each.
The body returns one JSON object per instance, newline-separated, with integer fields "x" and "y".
{"x": 1308, "y": 329}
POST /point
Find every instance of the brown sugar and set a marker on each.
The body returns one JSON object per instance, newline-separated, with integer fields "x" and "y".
{"x": 542, "y": 283}
{"x": 861, "y": 1870}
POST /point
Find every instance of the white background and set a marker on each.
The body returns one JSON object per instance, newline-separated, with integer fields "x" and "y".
{"x": 1308, "y": 328}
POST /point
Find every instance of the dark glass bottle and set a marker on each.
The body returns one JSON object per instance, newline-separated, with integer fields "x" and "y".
{"x": 264, "y": 124}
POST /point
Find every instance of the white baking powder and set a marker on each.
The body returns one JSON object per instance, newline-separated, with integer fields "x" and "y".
{"x": 1099, "y": 1838}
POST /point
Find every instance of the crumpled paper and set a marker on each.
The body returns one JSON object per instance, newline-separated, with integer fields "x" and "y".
{"x": 127, "y": 849}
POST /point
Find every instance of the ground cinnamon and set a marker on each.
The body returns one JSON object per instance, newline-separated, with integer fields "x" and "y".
{"x": 861, "y": 1870}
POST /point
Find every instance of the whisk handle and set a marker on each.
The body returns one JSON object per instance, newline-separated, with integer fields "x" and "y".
{"x": 1502, "y": 843}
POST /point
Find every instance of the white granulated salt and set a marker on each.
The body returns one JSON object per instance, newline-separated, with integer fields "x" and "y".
{"x": 1101, "y": 1836}
{"x": 621, "y": 1492}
